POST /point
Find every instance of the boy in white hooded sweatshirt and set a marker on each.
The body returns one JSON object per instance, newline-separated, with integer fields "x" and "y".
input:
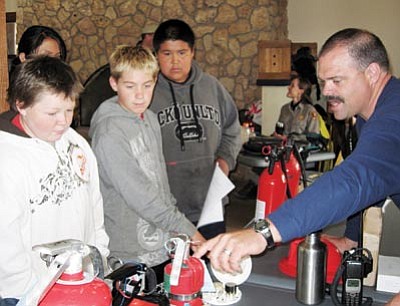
{"x": 49, "y": 182}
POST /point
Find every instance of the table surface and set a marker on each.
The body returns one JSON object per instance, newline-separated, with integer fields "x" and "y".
{"x": 269, "y": 285}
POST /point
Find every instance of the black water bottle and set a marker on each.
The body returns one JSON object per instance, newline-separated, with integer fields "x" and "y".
{"x": 311, "y": 270}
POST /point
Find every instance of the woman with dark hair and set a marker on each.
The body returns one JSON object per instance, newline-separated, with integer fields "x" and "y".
{"x": 39, "y": 40}
{"x": 303, "y": 62}
{"x": 299, "y": 117}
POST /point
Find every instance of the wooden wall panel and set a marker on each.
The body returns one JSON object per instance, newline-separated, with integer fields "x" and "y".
{"x": 3, "y": 58}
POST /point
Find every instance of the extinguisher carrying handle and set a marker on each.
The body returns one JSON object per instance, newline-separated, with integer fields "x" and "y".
{"x": 97, "y": 261}
{"x": 49, "y": 251}
{"x": 273, "y": 157}
{"x": 284, "y": 170}
{"x": 271, "y": 166}
{"x": 292, "y": 147}
{"x": 40, "y": 289}
{"x": 299, "y": 158}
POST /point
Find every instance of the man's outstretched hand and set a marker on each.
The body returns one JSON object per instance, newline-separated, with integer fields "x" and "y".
{"x": 227, "y": 250}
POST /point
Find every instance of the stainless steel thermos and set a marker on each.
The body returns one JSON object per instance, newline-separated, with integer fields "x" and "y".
{"x": 311, "y": 270}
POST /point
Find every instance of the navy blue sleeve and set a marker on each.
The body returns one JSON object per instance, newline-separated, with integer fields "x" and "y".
{"x": 368, "y": 175}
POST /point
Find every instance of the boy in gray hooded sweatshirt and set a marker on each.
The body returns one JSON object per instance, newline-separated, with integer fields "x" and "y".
{"x": 140, "y": 211}
{"x": 198, "y": 118}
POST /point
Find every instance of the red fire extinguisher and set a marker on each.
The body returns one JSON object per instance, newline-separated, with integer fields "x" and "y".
{"x": 271, "y": 185}
{"x": 279, "y": 181}
{"x": 74, "y": 288}
{"x": 293, "y": 174}
{"x": 184, "y": 277}
{"x": 65, "y": 283}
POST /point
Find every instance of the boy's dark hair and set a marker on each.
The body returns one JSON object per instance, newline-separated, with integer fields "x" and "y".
{"x": 363, "y": 46}
{"x": 173, "y": 29}
{"x": 39, "y": 75}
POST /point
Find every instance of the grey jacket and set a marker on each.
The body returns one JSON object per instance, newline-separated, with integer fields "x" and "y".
{"x": 214, "y": 132}
{"x": 140, "y": 211}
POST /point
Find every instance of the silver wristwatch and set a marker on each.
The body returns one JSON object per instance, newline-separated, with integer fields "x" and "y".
{"x": 262, "y": 226}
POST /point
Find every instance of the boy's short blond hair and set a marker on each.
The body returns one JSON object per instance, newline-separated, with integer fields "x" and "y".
{"x": 126, "y": 58}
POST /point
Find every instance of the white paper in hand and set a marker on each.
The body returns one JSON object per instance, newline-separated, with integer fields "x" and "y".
{"x": 220, "y": 186}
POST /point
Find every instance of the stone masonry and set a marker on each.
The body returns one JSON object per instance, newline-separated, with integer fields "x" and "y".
{"x": 227, "y": 32}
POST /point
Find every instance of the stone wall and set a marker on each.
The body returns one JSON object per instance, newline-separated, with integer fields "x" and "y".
{"x": 227, "y": 32}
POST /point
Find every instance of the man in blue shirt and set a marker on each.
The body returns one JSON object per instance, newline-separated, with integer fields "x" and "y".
{"x": 354, "y": 73}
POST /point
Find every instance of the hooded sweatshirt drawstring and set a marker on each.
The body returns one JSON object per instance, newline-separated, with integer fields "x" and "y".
{"x": 196, "y": 120}
{"x": 178, "y": 116}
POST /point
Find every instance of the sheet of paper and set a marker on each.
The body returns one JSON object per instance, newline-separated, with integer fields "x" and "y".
{"x": 220, "y": 186}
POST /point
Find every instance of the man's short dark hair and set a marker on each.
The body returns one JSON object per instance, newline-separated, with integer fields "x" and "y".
{"x": 363, "y": 46}
{"x": 173, "y": 29}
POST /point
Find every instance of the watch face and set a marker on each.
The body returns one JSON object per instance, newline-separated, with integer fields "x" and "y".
{"x": 261, "y": 224}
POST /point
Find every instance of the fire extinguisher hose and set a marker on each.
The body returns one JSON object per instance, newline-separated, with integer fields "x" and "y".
{"x": 297, "y": 155}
